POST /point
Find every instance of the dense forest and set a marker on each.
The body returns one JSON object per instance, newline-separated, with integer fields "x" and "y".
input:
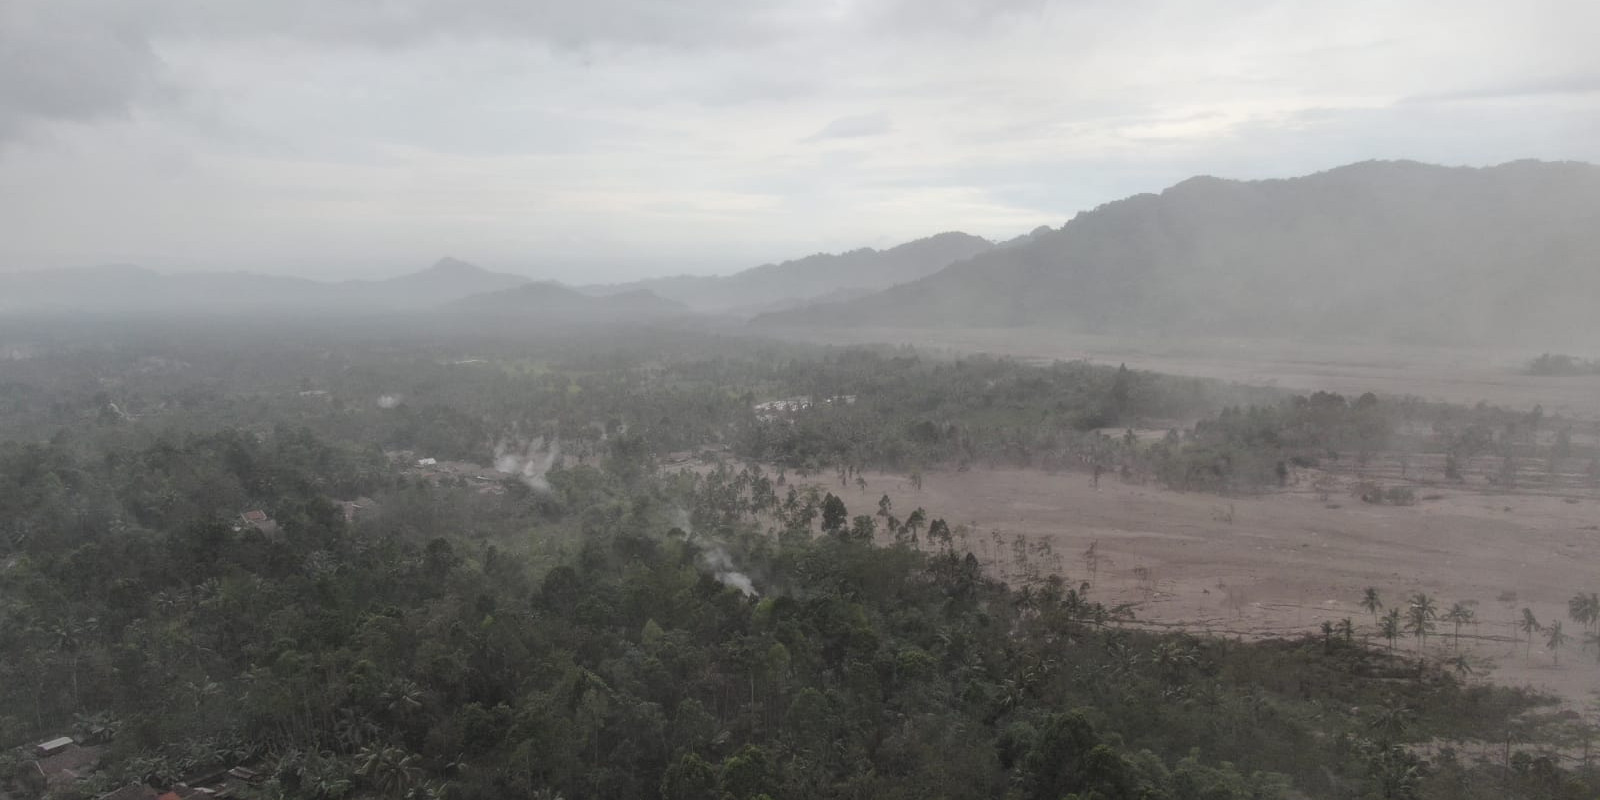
{"x": 601, "y": 627}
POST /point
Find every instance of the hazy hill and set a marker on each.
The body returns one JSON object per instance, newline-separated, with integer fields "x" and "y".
{"x": 131, "y": 289}
{"x": 795, "y": 283}
{"x": 551, "y": 303}
{"x": 1380, "y": 250}
{"x": 445, "y": 281}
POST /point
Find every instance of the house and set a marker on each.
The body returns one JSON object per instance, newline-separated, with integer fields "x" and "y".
{"x": 52, "y": 747}
{"x": 67, "y": 764}
{"x": 259, "y": 520}
{"x": 427, "y": 462}
{"x": 246, "y": 774}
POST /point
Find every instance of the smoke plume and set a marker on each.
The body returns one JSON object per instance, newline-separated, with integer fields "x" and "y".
{"x": 529, "y": 463}
{"x": 721, "y": 565}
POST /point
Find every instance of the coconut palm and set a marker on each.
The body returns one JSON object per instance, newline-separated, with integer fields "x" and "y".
{"x": 1460, "y": 613}
{"x": 1372, "y": 603}
{"x": 391, "y": 771}
{"x": 1396, "y": 771}
{"x": 1420, "y": 615}
{"x": 1554, "y": 639}
{"x": 1529, "y": 625}
{"x": 1389, "y": 627}
{"x": 1584, "y": 609}
{"x": 1391, "y": 720}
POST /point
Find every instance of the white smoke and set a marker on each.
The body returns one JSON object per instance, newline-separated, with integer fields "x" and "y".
{"x": 388, "y": 401}
{"x": 680, "y": 520}
{"x": 721, "y": 565}
{"x": 528, "y": 463}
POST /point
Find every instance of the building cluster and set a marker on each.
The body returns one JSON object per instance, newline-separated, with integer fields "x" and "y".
{"x": 64, "y": 763}
{"x": 788, "y": 406}
{"x": 487, "y": 480}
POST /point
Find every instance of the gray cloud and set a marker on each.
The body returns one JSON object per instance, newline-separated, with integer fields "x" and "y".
{"x": 1575, "y": 84}
{"x": 408, "y": 22}
{"x": 82, "y": 60}
{"x": 854, "y": 127}
{"x": 962, "y": 17}
{"x": 622, "y": 137}
{"x": 69, "y": 60}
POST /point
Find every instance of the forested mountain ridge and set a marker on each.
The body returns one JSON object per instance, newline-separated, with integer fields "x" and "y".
{"x": 1395, "y": 251}
{"x": 121, "y": 289}
{"x": 813, "y": 278}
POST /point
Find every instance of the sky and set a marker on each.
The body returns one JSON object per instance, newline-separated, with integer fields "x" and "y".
{"x": 614, "y": 139}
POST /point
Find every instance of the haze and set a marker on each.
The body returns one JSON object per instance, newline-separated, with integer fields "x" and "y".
{"x": 614, "y": 140}
{"x": 799, "y": 399}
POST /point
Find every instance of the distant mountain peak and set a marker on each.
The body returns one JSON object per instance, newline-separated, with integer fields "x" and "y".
{"x": 450, "y": 265}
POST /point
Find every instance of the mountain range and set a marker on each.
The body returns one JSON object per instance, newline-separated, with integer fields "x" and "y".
{"x": 823, "y": 277}
{"x": 1387, "y": 251}
{"x": 1392, "y": 251}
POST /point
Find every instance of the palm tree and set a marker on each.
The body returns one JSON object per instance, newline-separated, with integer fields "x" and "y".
{"x": 1420, "y": 616}
{"x": 1396, "y": 770}
{"x": 1347, "y": 629}
{"x": 66, "y": 640}
{"x": 1389, "y": 627}
{"x": 1584, "y": 609}
{"x": 1555, "y": 639}
{"x": 1391, "y": 720}
{"x": 392, "y": 771}
{"x": 1371, "y": 602}
{"x": 1460, "y": 613}
{"x": 1529, "y": 625}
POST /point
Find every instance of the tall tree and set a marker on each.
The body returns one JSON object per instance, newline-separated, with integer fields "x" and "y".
{"x": 834, "y": 514}
{"x": 390, "y": 770}
{"x": 1390, "y": 626}
{"x": 1460, "y": 613}
{"x": 1529, "y": 626}
{"x": 1584, "y": 609}
{"x": 1420, "y": 615}
{"x": 914, "y": 521}
{"x": 1555, "y": 639}
{"x": 1371, "y": 602}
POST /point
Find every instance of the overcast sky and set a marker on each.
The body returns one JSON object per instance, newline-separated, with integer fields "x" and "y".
{"x": 607, "y": 139}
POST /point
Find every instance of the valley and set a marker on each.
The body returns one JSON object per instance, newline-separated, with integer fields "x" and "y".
{"x": 1461, "y": 374}
{"x": 1283, "y": 563}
